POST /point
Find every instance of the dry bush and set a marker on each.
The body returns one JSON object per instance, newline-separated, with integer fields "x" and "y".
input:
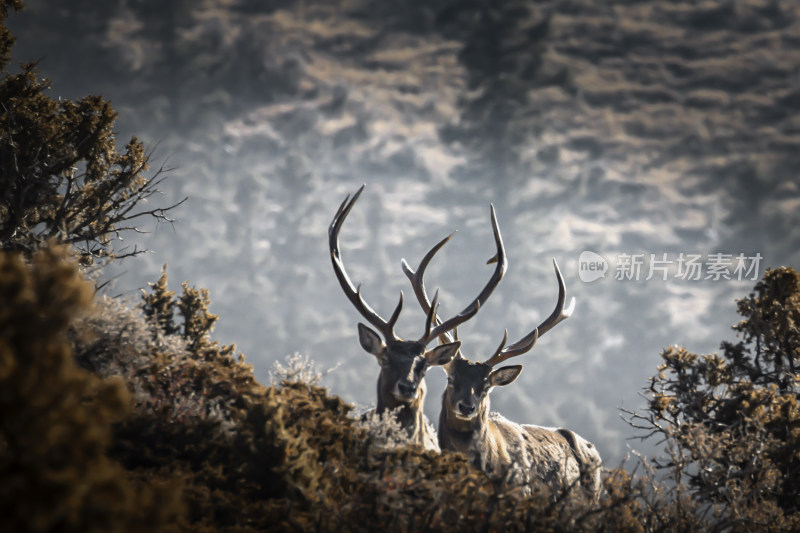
{"x": 63, "y": 178}
{"x": 55, "y": 418}
{"x": 289, "y": 456}
{"x": 731, "y": 421}
{"x": 292, "y": 457}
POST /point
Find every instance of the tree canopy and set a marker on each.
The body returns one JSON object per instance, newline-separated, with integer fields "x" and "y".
{"x": 63, "y": 177}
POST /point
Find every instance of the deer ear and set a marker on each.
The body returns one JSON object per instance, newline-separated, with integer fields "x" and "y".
{"x": 370, "y": 341}
{"x": 504, "y": 376}
{"x": 442, "y": 354}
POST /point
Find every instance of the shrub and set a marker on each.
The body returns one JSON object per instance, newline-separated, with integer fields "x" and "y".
{"x": 55, "y": 418}
{"x": 731, "y": 422}
{"x": 63, "y": 177}
{"x": 289, "y": 456}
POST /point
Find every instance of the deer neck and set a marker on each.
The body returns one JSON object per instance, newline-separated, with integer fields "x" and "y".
{"x": 409, "y": 415}
{"x": 462, "y": 435}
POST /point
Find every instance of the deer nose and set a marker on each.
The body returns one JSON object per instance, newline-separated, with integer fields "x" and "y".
{"x": 465, "y": 409}
{"x": 406, "y": 389}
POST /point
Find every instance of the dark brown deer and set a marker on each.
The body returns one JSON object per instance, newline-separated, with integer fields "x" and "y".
{"x": 403, "y": 363}
{"x": 520, "y": 454}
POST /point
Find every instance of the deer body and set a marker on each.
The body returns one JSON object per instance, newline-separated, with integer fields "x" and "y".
{"x": 517, "y": 453}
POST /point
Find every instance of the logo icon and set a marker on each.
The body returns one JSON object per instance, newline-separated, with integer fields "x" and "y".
{"x": 591, "y": 266}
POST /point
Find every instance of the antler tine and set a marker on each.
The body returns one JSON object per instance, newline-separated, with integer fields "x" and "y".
{"x": 518, "y": 348}
{"x": 499, "y": 271}
{"x": 353, "y": 293}
{"x": 527, "y": 342}
{"x": 502, "y": 343}
{"x": 396, "y": 314}
{"x": 559, "y": 313}
{"x": 417, "y": 282}
{"x": 418, "y": 285}
{"x": 500, "y": 257}
{"x": 434, "y": 307}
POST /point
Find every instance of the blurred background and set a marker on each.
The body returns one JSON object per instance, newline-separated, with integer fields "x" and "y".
{"x": 619, "y": 127}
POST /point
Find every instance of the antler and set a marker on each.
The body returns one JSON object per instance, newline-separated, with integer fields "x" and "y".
{"x": 418, "y": 284}
{"x": 527, "y": 342}
{"x": 353, "y": 293}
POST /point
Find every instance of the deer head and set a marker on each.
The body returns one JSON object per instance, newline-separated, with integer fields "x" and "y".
{"x": 469, "y": 383}
{"x": 403, "y": 362}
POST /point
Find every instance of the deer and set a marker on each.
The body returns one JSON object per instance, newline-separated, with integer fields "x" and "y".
{"x": 403, "y": 363}
{"x": 520, "y": 455}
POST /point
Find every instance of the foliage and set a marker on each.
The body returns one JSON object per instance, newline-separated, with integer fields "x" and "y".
{"x": 289, "y": 456}
{"x": 731, "y": 421}
{"x": 63, "y": 177}
{"x": 131, "y": 419}
{"x": 55, "y": 418}
{"x": 197, "y": 321}
{"x": 6, "y": 39}
{"x": 383, "y": 429}
{"x": 159, "y": 305}
{"x": 297, "y": 368}
{"x": 292, "y": 457}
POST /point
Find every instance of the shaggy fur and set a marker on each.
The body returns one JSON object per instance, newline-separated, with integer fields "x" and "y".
{"x": 519, "y": 454}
